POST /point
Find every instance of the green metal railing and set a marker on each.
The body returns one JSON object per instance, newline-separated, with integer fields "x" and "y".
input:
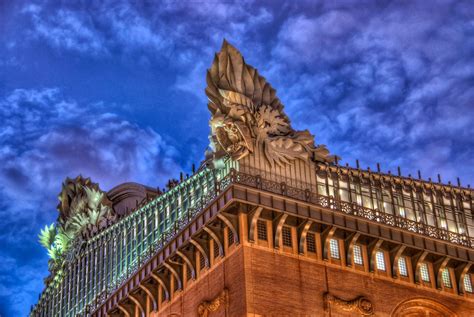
{"x": 109, "y": 258}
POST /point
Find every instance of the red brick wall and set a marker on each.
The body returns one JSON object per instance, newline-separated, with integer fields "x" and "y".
{"x": 264, "y": 282}
{"x": 287, "y": 285}
{"x": 227, "y": 273}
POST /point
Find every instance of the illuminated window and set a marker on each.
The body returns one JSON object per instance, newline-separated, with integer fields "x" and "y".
{"x": 310, "y": 242}
{"x": 446, "y": 278}
{"x": 425, "y": 276}
{"x": 262, "y": 230}
{"x": 358, "y": 255}
{"x": 402, "y": 212}
{"x": 467, "y": 283}
{"x": 322, "y": 189}
{"x": 402, "y": 266}
{"x": 443, "y": 224}
{"x": 344, "y": 194}
{"x": 286, "y": 236}
{"x": 380, "y": 260}
{"x": 334, "y": 248}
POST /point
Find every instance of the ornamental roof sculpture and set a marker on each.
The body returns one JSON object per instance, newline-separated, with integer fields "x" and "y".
{"x": 248, "y": 117}
{"x": 84, "y": 210}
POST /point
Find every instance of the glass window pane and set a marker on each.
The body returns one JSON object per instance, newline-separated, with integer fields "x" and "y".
{"x": 425, "y": 276}
{"x": 310, "y": 242}
{"x": 446, "y": 278}
{"x": 262, "y": 230}
{"x": 380, "y": 260}
{"x": 358, "y": 255}
{"x": 468, "y": 283}
{"x": 402, "y": 266}
{"x": 334, "y": 248}
{"x": 286, "y": 236}
{"x": 344, "y": 194}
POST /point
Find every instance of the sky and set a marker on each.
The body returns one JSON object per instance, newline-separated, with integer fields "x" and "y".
{"x": 114, "y": 90}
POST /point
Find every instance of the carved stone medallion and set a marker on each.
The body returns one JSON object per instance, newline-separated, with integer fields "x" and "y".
{"x": 211, "y": 306}
{"x": 361, "y": 304}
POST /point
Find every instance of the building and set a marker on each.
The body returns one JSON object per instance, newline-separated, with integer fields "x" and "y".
{"x": 269, "y": 225}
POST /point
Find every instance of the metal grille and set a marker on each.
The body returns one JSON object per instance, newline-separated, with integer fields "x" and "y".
{"x": 286, "y": 236}
{"x": 467, "y": 283}
{"x": 380, "y": 260}
{"x": 216, "y": 249}
{"x": 262, "y": 230}
{"x": 402, "y": 266}
{"x": 188, "y": 272}
{"x": 425, "y": 275}
{"x": 310, "y": 243}
{"x": 358, "y": 255}
{"x": 446, "y": 278}
{"x": 230, "y": 237}
{"x": 202, "y": 261}
{"x": 334, "y": 248}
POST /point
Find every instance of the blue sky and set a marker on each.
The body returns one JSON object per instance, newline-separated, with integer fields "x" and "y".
{"x": 115, "y": 91}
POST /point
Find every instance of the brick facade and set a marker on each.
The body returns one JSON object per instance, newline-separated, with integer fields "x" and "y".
{"x": 267, "y": 282}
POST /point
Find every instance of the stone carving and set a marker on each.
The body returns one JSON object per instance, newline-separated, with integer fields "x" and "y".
{"x": 83, "y": 207}
{"x": 83, "y": 211}
{"x": 211, "y": 306}
{"x": 247, "y": 116}
{"x": 422, "y": 307}
{"x": 361, "y": 304}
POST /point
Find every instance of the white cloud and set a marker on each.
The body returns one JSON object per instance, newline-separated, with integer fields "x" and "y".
{"x": 47, "y": 138}
{"x": 380, "y": 84}
{"x": 65, "y": 29}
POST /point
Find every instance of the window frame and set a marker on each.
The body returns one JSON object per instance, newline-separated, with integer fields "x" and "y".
{"x": 402, "y": 272}
{"x": 380, "y": 261}
{"x": 286, "y": 237}
{"x": 357, "y": 255}
{"x": 425, "y": 273}
{"x": 334, "y": 251}
{"x": 262, "y": 231}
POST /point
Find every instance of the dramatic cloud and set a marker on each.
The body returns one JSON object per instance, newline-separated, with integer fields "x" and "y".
{"x": 392, "y": 85}
{"x": 378, "y": 81}
{"x": 43, "y": 139}
{"x": 65, "y": 30}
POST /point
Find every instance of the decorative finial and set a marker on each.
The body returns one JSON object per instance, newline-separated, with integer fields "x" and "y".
{"x": 247, "y": 116}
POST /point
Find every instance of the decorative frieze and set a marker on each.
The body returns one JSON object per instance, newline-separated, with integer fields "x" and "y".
{"x": 221, "y": 301}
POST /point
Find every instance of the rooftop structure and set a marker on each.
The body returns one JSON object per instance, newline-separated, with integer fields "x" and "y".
{"x": 267, "y": 197}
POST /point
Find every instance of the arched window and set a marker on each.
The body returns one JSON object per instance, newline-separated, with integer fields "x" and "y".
{"x": 422, "y": 307}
